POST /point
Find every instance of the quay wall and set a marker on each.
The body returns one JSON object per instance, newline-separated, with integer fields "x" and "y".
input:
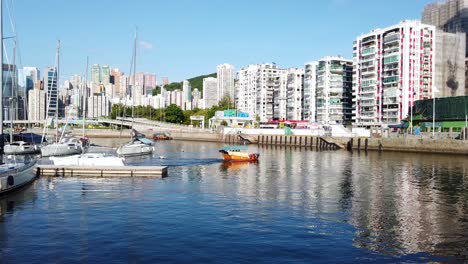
{"x": 403, "y": 144}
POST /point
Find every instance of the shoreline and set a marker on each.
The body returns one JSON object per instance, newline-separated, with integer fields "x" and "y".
{"x": 404, "y": 144}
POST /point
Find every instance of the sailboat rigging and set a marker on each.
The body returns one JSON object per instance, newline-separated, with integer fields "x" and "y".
{"x": 65, "y": 144}
{"x": 17, "y": 174}
{"x": 138, "y": 145}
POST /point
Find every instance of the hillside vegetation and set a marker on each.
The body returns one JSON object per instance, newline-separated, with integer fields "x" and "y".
{"x": 195, "y": 82}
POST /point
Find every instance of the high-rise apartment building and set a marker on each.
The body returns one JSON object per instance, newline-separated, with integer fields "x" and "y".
{"x": 392, "y": 67}
{"x": 187, "y": 89}
{"x": 259, "y": 90}
{"x": 294, "y": 94}
{"x": 37, "y": 105}
{"x": 105, "y": 74}
{"x": 450, "y": 16}
{"x": 210, "y": 88}
{"x": 98, "y": 106}
{"x": 225, "y": 76}
{"x": 119, "y": 82}
{"x": 96, "y": 74}
{"x": 334, "y": 91}
{"x": 310, "y": 82}
{"x": 196, "y": 96}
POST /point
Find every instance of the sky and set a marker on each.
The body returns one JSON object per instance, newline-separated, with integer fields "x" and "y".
{"x": 180, "y": 39}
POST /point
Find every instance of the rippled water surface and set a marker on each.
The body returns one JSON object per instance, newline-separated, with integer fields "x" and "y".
{"x": 294, "y": 205}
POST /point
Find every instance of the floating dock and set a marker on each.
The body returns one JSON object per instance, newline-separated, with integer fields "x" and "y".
{"x": 101, "y": 171}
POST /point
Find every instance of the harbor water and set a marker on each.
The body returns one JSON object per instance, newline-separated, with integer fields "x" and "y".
{"x": 294, "y": 205}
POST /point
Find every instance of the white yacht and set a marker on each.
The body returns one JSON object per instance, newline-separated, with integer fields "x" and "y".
{"x": 21, "y": 147}
{"x": 15, "y": 175}
{"x": 67, "y": 146}
{"x": 88, "y": 159}
{"x": 136, "y": 147}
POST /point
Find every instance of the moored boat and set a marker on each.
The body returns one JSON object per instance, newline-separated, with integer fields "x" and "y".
{"x": 238, "y": 153}
{"x": 21, "y": 147}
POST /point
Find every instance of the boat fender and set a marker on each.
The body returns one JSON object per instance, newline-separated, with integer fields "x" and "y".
{"x": 10, "y": 180}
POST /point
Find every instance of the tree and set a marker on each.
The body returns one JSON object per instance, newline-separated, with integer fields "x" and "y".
{"x": 174, "y": 114}
{"x": 225, "y": 102}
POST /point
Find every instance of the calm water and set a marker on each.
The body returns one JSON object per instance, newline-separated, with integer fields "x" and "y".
{"x": 292, "y": 206}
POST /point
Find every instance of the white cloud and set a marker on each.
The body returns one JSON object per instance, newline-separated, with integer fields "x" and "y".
{"x": 146, "y": 45}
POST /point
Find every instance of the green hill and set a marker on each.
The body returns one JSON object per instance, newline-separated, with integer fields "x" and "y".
{"x": 195, "y": 82}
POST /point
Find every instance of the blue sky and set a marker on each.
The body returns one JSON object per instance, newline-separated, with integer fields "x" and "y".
{"x": 185, "y": 38}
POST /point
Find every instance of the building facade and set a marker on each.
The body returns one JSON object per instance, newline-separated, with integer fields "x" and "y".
{"x": 37, "y": 105}
{"x": 392, "y": 67}
{"x": 51, "y": 90}
{"x": 450, "y": 16}
{"x": 225, "y": 76}
{"x": 334, "y": 91}
{"x": 210, "y": 88}
{"x": 294, "y": 91}
{"x": 260, "y": 91}
{"x": 310, "y": 82}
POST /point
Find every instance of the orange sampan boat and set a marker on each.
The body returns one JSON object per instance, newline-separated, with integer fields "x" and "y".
{"x": 236, "y": 153}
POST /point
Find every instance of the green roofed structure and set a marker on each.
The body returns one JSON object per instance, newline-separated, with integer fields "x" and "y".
{"x": 451, "y": 113}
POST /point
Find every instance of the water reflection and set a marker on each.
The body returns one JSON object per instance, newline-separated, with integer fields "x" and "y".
{"x": 294, "y": 202}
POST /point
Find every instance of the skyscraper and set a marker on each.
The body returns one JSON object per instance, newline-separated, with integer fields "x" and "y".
{"x": 334, "y": 90}
{"x": 51, "y": 90}
{"x": 393, "y": 67}
{"x": 105, "y": 74}
{"x": 36, "y": 105}
{"x": 225, "y": 76}
{"x": 261, "y": 91}
{"x": 294, "y": 94}
{"x": 310, "y": 82}
{"x": 96, "y": 74}
{"x": 187, "y": 89}
{"x": 210, "y": 87}
{"x": 450, "y": 16}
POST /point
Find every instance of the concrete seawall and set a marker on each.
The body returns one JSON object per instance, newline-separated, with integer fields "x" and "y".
{"x": 404, "y": 144}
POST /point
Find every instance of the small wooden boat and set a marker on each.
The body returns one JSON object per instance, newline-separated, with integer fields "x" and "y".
{"x": 238, "y": 153}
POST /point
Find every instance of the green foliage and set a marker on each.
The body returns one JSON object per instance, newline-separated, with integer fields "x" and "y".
{"x": 224, "y": 123}
{"x": 174, "y": 114}
{"x": 197, "y": 82}
{"x": 173, "y": 86}
{"x": 156, "y": 90}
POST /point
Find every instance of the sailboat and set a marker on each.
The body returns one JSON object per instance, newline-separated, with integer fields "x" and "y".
{"x": 66, "y": 144}
{"x": 138, "y": 145}
{"x": 18, "y": 147}
{"x": 13, "y": 175}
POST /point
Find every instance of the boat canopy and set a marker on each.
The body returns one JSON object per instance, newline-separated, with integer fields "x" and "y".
{"x": 233, "y": 148}
{"x": 144, "y": 141}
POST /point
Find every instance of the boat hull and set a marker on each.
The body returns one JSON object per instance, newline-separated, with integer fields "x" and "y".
{"x": 240, "y": 156}
{"x": 21, "y": 150}
{"x": 60, "y": 150}
{"x": 134, "y": 150}
{"x": 16, "y": 176}
{"x": 88, "y": 159}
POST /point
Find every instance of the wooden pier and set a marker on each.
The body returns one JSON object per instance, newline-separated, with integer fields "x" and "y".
{"x": 101, "y": 171}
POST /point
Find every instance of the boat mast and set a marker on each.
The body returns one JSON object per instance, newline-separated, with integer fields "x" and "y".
{"x": 56, "y": 97}
{"x": 14, "y": 92}
{"x": 2, "y": 139}
{"x": 134, "y": 74}
{"x": 85, "y": 88}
